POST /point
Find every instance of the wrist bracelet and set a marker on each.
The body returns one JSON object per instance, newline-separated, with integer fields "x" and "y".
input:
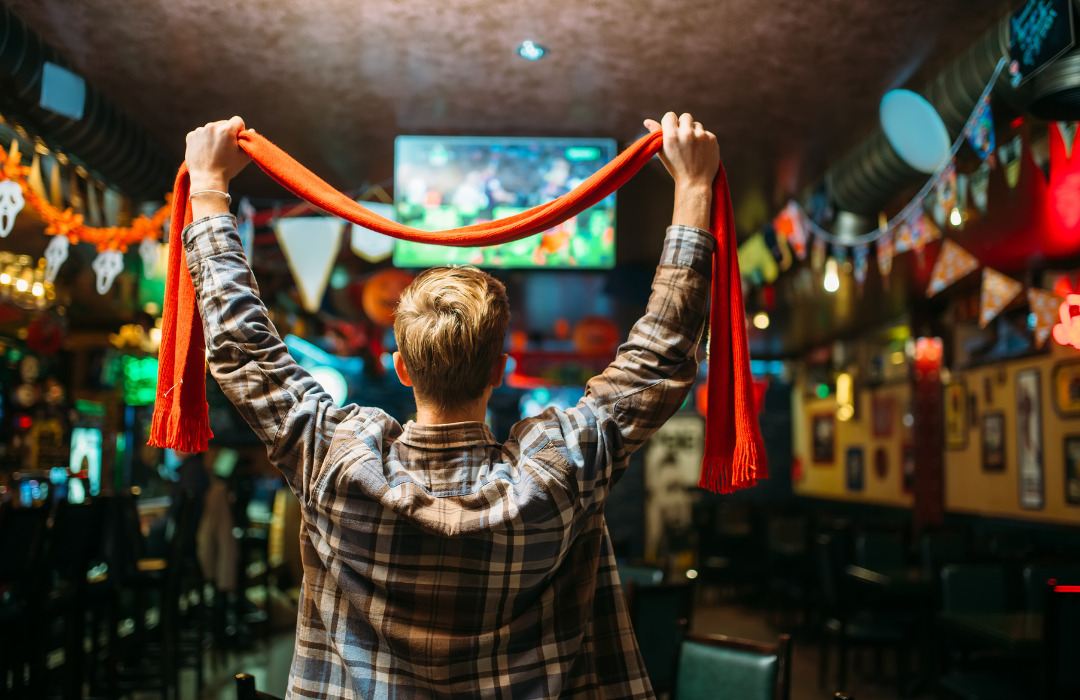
{"x": 226, "y": 195}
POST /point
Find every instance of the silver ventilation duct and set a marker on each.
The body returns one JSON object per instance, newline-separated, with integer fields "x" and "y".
{"x": 865, "y": 179}
{"x": 106, "y": 142}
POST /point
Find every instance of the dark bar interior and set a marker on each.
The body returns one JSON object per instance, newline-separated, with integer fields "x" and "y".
{"x": 419, "y": 486}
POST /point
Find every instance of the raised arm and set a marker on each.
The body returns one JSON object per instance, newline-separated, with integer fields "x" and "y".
{"x": 286, "y": 408}
{"x": 656, "y": 367}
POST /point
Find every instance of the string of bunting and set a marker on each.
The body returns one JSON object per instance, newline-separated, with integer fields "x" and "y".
{"x": 795, "y": 235}
{"x": 21, "y": 185}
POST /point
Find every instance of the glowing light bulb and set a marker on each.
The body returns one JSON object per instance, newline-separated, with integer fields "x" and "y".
{"x": 5, "y": 278}
{"x": 38, "y": 289}
{"x": 22, "y": 285}
{"x": 832, "y": 276}
{"x": 955, "y": 218}
{"x": 761, "y": 320}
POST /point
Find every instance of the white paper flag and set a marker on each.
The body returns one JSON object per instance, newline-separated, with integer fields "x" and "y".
{"x": 311, "y": 246}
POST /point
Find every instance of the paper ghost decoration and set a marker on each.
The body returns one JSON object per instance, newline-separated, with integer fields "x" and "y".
{"x": 55, "y": 255}
{"x": 107, "y": 265}
{"x": 11, "y": 203}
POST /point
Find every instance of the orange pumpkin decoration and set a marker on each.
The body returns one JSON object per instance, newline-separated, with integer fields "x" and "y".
{"x": 381, "y": 294}
{"x": 595, "y": 336}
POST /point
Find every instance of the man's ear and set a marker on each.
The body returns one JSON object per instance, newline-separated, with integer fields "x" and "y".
{"x": 498, "y": 371}
{"x": 399, "y": 367}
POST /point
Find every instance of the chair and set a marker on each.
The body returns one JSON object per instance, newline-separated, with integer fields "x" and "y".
{"x": 1036, "y": 577}
{"x": 641, "y": 575}
{"x": 879, "y": 550}
{"x": 848, "y": 627}
{"x": 245, "y": 689}
{"x": 936, "y": 549}
{"x": 660, "y": 615}
{"x": 739, "y": 668}
{"x": 24, "y": 537}
{"x": 1061, "y": 620}
{"x": 973, "y": 588}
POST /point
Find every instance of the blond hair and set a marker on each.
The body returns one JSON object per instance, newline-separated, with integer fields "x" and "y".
{"x": 450, "y": 327}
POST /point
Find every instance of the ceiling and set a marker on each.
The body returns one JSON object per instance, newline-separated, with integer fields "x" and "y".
{"x": 787, "y": 85}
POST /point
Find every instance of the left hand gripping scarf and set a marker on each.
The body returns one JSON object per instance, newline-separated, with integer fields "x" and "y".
{"x": 734, "y": 452}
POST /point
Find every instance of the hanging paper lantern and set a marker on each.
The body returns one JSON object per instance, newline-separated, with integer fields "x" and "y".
{"x": 382, "y": 293}
{"x": 595, "y": 336}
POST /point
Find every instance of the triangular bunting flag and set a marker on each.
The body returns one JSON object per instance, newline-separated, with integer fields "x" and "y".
{"x": 1044, "y": 307}
{"x": 1009, "y": 154}
{"x": 789, "y": 224}
{"x": 961, "y": 198}
{"x": 998, "y": 291}
{"x": 1068, "y": 135}
{"x": 311, "y": 246}
{"x": 56, "y": 190}
{"x": 817, "y": 255}
{"x": 370, "y": 245}
{"x": 945, "y": 195}
{"x": 885, "y": 256}
{"x": 840, "y": 254}
{"x": 756, "y": 261}
{"x": 905, "y": 237}
{"x": 980, "y": 130}
{"x": 952, "y": 264}
{"x": 861, "y": 265}
{"x": 980, "y": 185}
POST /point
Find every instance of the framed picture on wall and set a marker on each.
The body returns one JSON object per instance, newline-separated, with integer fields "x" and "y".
{"x": 823, "y": 437}
{"x": 1067, "y": 388}
{"x": 855, "y": 468}
{"x": 1072, "y": 469}
{"x": 1029, "y": 438}
{"x": 956, "y": 416}
{"x": 882, "y": 416}
{"x": 993, "y": 442}
{"x": 907, "y": 464}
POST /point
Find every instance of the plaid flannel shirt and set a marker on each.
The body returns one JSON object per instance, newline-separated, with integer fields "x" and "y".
{"x": 438, "y": 562}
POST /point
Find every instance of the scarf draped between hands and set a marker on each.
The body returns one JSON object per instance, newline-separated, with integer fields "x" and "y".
{"x": 734, "y": 452}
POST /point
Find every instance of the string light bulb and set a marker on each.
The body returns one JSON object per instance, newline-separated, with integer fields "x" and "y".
{"x": 761, "y": 320}
{"x": 955, "y": 218}
{"x": 832, "y": 275}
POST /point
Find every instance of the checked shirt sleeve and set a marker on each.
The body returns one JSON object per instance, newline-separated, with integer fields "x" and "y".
{"x": 287, "y": 409}
{"x": 655, "y": 368}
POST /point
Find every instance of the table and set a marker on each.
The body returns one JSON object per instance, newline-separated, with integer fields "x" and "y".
{"x": 908, "y": 582}
{"x": 1015, "y": 632}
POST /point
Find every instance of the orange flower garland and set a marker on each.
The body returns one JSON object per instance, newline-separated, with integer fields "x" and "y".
{"x": 68, "y": 223}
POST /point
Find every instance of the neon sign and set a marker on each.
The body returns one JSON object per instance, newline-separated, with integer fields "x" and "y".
{"x": 1068, "y": 331}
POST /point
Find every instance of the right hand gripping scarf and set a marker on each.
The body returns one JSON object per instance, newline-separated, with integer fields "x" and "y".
{"x": 734, "y": 451}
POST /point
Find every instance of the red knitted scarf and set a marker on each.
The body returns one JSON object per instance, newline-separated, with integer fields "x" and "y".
{"x": 734, "y": 452}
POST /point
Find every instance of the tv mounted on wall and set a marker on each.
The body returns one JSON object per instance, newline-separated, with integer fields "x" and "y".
{"x": 443, "y": 182}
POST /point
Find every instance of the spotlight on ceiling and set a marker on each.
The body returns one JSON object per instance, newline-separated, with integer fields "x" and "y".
{"x": 530, "y": 51}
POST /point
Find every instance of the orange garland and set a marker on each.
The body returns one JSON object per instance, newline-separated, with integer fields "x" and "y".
{"x": 67, "y": 223}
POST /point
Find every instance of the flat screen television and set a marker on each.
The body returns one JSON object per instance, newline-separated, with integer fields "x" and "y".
{"x": 443, "y": 182}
